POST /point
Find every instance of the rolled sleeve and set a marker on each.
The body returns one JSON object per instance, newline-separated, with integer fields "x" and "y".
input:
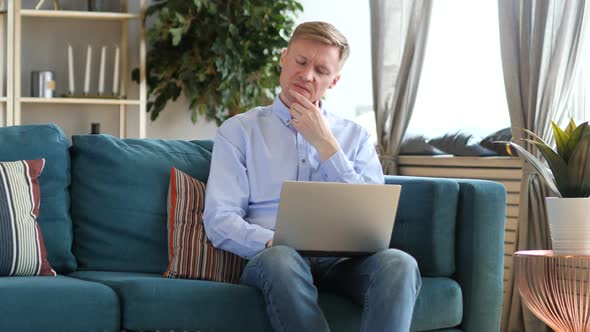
{"x": 365, "y": 167}
{"x": 337, "y": 167}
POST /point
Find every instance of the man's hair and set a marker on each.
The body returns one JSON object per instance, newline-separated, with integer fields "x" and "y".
{"x": 324, "y": 33}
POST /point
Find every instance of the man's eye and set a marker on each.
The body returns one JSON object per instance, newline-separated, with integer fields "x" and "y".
{"x": 300, "y": 62}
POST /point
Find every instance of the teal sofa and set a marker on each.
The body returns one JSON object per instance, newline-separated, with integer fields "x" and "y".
{"x": 103, "y": 218}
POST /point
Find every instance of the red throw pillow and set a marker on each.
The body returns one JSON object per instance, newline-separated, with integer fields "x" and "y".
{"x": 22, "y": 250}
{"x": 190, "y": 253}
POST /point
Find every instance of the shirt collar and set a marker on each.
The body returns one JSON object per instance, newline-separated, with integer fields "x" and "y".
{"x": 282, "y": 111}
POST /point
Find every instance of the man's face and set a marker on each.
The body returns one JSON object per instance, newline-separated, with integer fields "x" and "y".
{"x": 310, "y": 68}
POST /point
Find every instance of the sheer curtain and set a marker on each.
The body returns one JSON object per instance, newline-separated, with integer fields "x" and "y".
{"x": 540, "y": 43}
{"x": 399, "y": 30}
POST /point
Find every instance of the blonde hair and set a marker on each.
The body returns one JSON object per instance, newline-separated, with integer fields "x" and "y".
{"x": 324, "y": 33}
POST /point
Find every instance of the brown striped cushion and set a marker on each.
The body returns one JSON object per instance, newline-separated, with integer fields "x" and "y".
{"x": 191, "y": 255}
{"x": 22, "y": 251}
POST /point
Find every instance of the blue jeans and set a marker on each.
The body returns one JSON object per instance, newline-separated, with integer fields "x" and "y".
{"x": 386, "y": 284}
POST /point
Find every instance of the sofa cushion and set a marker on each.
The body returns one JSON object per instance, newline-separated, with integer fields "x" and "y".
{"x": 425, "y": 223}
{"x": 119, "y": 191}
{"x": 22, "y": 251}
{"x": 191, "y": 254}
{"x": 439, "y": 305}
{"x": 153, "y": 302}
{"x": 47, "y": 141}
{"x": 60, "y": 304}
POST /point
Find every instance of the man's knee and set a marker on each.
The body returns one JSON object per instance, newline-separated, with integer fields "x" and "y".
{"x": 278, "y": 260}
{"x": 394, "y": 261}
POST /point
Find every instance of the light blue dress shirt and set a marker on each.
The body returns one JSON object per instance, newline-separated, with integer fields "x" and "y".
{"x": 254, "y": 153}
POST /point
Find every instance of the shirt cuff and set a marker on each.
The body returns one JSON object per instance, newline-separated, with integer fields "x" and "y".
{"x": 335, "y": 167}
{"x": 259, "y": 241}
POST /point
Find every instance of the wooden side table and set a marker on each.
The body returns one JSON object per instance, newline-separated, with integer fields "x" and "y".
{"x": 556, "y": 288}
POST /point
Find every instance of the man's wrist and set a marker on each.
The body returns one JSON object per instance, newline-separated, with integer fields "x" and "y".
{"x": 328, "y": 150}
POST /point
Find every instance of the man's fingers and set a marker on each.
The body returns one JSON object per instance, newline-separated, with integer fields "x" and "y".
{"x": 301, "y": 99}
{"x": 294, "y": 112}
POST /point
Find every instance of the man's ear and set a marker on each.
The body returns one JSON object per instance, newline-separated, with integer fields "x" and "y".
{"x": 334, "y": 81}
{"x": 283, "y": 55}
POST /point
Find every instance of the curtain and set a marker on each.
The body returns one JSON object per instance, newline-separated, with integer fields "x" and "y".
{"x": 399, "y": 30}
{"x": 540, "y": 45}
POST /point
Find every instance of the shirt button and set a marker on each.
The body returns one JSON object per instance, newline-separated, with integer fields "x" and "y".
{"x": 303, "y": 161}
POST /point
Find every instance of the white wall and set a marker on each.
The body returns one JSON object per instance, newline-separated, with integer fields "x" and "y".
{"x": 45, "y": 42}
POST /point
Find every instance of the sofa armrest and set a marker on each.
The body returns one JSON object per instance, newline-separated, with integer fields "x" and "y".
{"x": 455, "y": 228}
{"x": 480, "y": 253}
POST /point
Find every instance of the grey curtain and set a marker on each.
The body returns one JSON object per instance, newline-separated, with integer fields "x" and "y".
{"x": 540, "y": 45}
{"x": 399, "y": 30}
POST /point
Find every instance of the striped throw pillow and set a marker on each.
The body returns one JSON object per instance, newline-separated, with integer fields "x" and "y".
{"x": 191, "y": 255}
{"x": 22, "y": 251}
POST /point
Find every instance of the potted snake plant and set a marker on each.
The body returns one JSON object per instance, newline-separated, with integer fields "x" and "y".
{"x": 567, "y": 175}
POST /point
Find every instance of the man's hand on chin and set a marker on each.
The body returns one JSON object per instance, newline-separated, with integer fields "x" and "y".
{"x": 307, "y": 118}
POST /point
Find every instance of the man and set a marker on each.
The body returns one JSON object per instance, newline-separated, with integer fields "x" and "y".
{"x": 296, "y": 139}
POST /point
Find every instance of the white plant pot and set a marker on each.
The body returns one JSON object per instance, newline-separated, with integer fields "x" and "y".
{"x": 569, "y": 223}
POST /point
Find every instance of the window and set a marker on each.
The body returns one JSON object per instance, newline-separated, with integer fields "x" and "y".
{"x": 462, "y": 85}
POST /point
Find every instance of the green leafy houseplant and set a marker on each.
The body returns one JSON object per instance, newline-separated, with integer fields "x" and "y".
{"x": 222, "y": 55}
{"x": 568, "y": 174}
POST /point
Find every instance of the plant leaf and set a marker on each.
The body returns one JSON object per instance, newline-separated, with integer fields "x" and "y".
{"x": 176, "y": 35}
{"x": 560, "y": 138}
{"x": 535, "y": 136}
{"x": 579, "y": 168}
{"x": 209, "y": 49}
{"x": 570, "y": 127}
{"x": 543, "y": 171}
{"x": 556, "y": 164}
{"x": 574, "y": 139}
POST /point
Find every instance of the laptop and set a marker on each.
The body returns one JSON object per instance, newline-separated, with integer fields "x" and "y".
{"x": 336, "y": 219}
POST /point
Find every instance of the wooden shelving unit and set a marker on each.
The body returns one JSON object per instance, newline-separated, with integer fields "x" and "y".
{"x": 4, "y": 118}
{"x": 88, "y": 101}
{"x": 17, "y": 17}
{"x": 78, "y": 14}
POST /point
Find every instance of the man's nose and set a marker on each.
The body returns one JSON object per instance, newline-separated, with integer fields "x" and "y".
{"x": 307, "y": 74}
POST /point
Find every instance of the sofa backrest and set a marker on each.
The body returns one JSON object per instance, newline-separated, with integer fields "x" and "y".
{"x": 47, "y": 141}
{"x": 119, "y": 193}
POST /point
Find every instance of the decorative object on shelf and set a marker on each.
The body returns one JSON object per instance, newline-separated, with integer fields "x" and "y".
{"x": 568, "y": 177}
{"x": 55, "y": 4}
{"x": 103, "y": 51}
{"x": 94, "y": 128}
{"x": 116, "y": 71}
{"x": 198, "y": 48}
{"x": 42, "y": 84}
{"x": 87, "y": 71}
{"x": 87, "y": 74}
{"x": 71, "y": 82}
